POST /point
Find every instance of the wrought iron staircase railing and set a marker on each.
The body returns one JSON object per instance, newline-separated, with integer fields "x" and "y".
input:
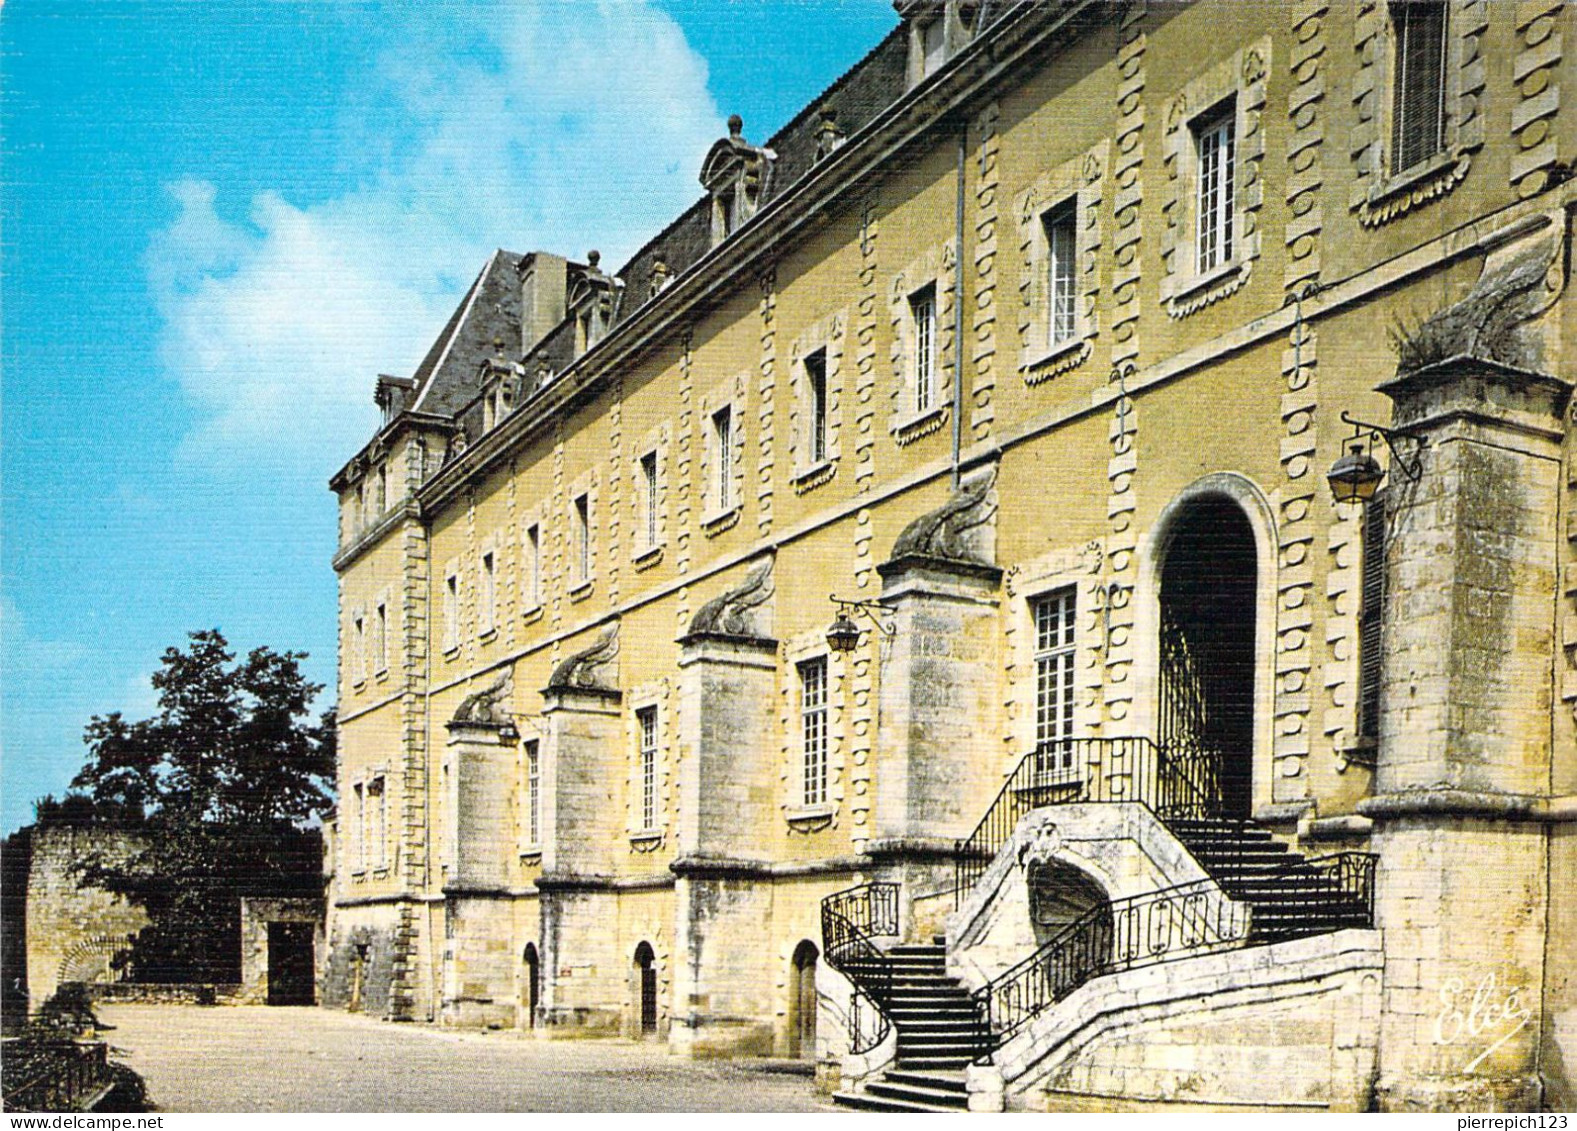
{"x": 1182, "y": 921}
{"x": 1173, "y": 782}
{"x": 1162, "y": 926}
{"x": 850, "y": 922}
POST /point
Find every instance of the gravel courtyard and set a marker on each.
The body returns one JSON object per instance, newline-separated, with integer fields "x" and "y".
{"x": 303, "y": 1059}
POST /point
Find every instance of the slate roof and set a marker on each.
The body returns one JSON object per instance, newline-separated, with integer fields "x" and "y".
{"x": 486, "y": 324}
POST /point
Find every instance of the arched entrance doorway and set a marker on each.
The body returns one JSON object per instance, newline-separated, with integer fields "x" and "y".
{"x": 533, "y": 976}
{"x": 1209, "y": 588}
{"x": 646, "y": 983}
{"x": 802, "y": 1000}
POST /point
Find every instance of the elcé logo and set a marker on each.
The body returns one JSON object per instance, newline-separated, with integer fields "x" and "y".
{"x": 1486, "y": 1012}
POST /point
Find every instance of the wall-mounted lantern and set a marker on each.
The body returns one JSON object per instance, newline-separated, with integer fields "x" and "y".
{"x": 844, "y": 633}
{"x": 1356, "y": 476}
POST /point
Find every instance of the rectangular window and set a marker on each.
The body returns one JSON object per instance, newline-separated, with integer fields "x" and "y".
{"x": 583, "y": 537}
{"x": 1371, "y": 615}
{"x": 723, "y": 453}
{"x": 533, "y": 567}
{"x": 725, "y": 209}
{"x": 451, "y": 612}
{"x": 383, "y": 487}
{"x": 813, "y": 729}
{"x": 377, "y": 856}
{"x": 380, "y": 638}
{"x": 533, "y": 794}
{"x": 358, "y": 650}
{"x": 649, "y": 493}
{"x": 1418, "y": 89}
{"x": 359, "y": 830}
{"x": 488, "y": 598}
{"x": 1054, "y": 657}
{"x": 922, "y": 308}
{"x": 1215, "y": 143}
{"x": 1060, "y": 233}
{"x": 646, "y": 724}
{"x": 816, "y": 407}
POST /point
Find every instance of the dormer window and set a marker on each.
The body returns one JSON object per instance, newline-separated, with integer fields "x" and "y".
{"x": 662, "y": 275}
{"x": 933, "y": 45}
{"x": 736, "y": 174}
{"x": 498, "y": 393}
{"x": 591, "y": 302}
{"x": 393, "y": 396}
{"x": 829, "y": 135}
{"x": 937, "y": 29}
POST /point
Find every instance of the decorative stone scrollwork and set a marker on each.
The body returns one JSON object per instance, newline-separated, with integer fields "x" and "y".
{"x": 1521, "y": 279}
{"x": 961, "y": 529}
{"x": 1040, "y": 841}
{"x": 592, "y": 669}
{"x": 739, "y": 612}
{"x": 488, "y": 707}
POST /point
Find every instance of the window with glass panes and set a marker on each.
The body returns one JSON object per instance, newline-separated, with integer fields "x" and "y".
{"x": 379, "y": 823}
{"x": 1054, "y": 657}
{"x": 922, "y": 309}
{"x": 816, "y": 394}
{"x": 488, "y": 598}
{"x": 1060, "y": 230}
{"x": 1418, "y": 87}
{"x": 723, "y": 456}
{"x": 646, "y": 725}
{"x": 533, "y": 566}
{"x": 649, "y": 485}
{"x": 582, "y": 537}
{"x": 1215, "y": 143}
{"x": 533, "y": 794}
{"x": 813, "y": 729}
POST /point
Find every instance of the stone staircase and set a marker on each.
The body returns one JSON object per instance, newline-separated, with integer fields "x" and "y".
{"x": 1291, "y": 898}
{"x": 938, "y": 1037}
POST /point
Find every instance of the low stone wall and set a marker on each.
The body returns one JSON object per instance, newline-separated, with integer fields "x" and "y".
{"x": 157, "y": 993}
{"x": 1293, "y": 1026}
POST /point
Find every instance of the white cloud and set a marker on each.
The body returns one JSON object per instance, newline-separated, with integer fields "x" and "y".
{"x": 558, "y": 126}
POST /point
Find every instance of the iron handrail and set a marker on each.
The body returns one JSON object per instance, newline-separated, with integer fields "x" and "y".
{"x": 1179, "y": 782}
{"x": 850, "y": 921}
{"x": 65, "y": 1074}
{"x": 1160, "y": 926}
{"x": 1347, "y": 875}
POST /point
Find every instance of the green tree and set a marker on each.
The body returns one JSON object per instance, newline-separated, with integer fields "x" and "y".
{"x": 222, "y": 781}
{"x": 231, "y": 743}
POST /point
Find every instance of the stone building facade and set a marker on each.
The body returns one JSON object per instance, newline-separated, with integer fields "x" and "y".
{"x": 1038, "y": 333}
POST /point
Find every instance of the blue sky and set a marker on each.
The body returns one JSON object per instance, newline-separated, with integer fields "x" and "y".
{"x": 220, "y": 221}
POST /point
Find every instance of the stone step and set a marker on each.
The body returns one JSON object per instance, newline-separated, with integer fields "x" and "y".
{"x": 860, "y": 1101}
{"x": 943, "y": 1081}
{"x": 887, "y": 1088}
{"x": 964, "y": 1048}
{"x": 933, "y": 1061}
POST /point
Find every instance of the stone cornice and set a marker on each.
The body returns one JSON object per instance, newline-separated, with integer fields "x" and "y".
{"x": 405, "y": 422}
{"x": 1469, "y": 803}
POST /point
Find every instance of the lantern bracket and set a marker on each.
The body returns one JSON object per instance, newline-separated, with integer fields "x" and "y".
{"x": 1410, "y": 468}
{"x": 868, "y": 609}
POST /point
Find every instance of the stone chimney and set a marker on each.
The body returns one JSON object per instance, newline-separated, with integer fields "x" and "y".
{"x": 542, "y": 296}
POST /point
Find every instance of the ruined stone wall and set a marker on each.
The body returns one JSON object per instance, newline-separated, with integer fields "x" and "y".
{"x": 74, "y": 931}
